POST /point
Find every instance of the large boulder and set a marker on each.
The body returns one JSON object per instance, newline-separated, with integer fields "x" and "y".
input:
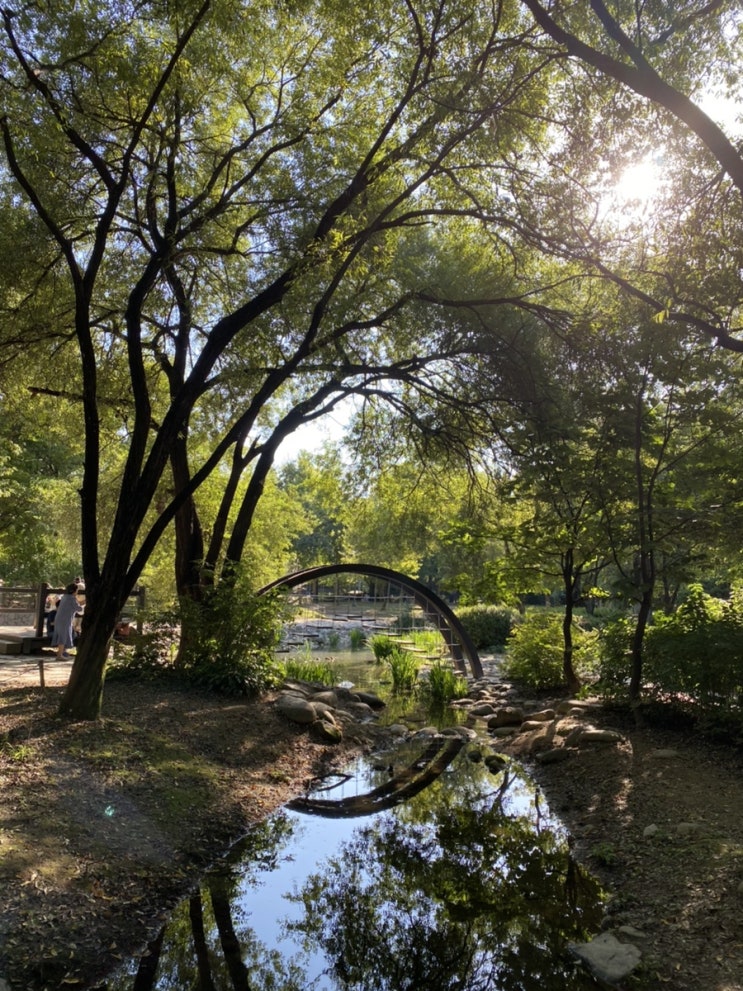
{"x": 295, "y": 708}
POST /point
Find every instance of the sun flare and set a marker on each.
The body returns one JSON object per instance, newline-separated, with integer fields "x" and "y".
{"x": 639, "y": 183}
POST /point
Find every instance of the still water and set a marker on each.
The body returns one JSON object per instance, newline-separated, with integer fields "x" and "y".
{"x": 466, "y": 885}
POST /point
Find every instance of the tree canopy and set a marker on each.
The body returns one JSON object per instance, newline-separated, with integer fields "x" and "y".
{"x": 225, "y": 219}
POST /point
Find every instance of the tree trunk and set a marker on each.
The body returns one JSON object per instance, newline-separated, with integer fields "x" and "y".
{"x": 638, "y": 639}
{"x": 571, "y": 578}
{"x": 200, "y": 945}
{"x": 83, "y": 696}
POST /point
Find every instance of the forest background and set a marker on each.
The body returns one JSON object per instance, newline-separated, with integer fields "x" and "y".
{"x": 510, "y": 232}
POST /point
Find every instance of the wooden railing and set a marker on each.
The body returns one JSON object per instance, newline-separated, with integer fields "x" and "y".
{"x": 30, "y": 600}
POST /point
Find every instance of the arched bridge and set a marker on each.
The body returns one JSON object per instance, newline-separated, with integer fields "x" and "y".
{"x": 460, "y": 645}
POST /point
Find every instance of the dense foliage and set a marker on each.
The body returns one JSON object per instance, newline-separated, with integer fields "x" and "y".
{"x": 488, "y": 626}
{"x": 535, "y": 650}
{"x": 221, "y": 221}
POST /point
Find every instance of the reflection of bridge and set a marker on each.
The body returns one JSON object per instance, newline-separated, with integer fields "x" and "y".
{"x": 402, "y": 786}
{"x": 435, "y": 610}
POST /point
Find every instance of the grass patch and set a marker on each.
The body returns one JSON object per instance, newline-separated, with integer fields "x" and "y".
{"x": 302, "y": 669}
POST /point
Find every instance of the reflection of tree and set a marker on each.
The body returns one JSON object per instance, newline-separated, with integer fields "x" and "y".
{"x": 147, "y": 970}
{"x": 221, "y": 906}
{"x": 466, "y": 886}
{"x": 471, "y": 898}
{"x": 200, "y": 943}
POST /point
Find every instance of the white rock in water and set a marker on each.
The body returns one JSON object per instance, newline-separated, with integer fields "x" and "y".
{"x": 609, "y": 959}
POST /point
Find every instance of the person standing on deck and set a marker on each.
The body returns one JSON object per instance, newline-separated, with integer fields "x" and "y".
{"x": 67, "y": 609}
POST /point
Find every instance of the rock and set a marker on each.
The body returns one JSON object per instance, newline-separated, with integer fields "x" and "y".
{"x": 461, "y": 732}
{"x": 361, "y": 711}
{"x": 297, "y": 709}
{"x": 329, "y": 698}
{"x": 397, "y": 729}
{"x": 505, "y": 731}
{"x": 482, "y": 709}
{"x": 321, "y": 707}
{"x": 426, "y": 732}
{"x": 573, "y": 707}
{"x": 586, "y": 736}
{"x": 529, "y": 724}
{"x": 370, "y": 699}
{"x": 565, "y": 727}
{"x": 326, "y": 732}
{"x": 508, "y": 715}
{"x": 543, "y": 716}
{"x": 663, "y": 754}
{"x": 602, "y": 736}
{"x": 691, "y": 829}
{"x": 650, "y": 831}
{"x": 607, "y": 958}
{"x": 495, "y": 763}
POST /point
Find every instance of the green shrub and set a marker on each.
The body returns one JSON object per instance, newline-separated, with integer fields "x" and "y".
{"x": 615, "y": 646}
{"x": 230, "y": 640}
{"x": 489, "y": 627}
{"x": 444, "y": 684}
{"x": 404, "y": 668}
{"x": 535, "y": 649}
{"x": 697, "y": 651}
{"x": 149, "y": 654}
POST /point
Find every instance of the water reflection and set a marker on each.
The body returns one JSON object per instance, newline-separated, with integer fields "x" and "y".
{"x": 468, "y": 885}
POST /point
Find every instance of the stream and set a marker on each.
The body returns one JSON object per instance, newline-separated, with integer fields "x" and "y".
{"x": 462, "y": 881}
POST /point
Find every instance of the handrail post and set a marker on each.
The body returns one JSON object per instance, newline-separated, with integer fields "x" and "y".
{"x": 41, "y": 596}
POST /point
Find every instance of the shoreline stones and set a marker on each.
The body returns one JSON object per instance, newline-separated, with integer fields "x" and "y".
{"x": 326, "y": 711}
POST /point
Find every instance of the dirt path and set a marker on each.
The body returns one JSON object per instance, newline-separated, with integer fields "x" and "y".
{"x": 659, "y": 817}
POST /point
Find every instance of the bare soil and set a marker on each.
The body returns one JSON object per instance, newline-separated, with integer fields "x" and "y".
{"x": 659, "y": 818}
{"x": 104, "y": 826}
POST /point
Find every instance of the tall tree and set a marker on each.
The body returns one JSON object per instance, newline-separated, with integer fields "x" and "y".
{"x": 236, "y": 198}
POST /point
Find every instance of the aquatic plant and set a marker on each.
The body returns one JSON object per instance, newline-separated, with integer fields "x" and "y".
{"x": 444, "y": 684}
{"x": 404, "y": 668}
{"x": 301, "y": 669}
{"x": 381, "y": 646}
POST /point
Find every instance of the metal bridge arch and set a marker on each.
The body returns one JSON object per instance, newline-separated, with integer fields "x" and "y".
{"x": 438, "y": 612}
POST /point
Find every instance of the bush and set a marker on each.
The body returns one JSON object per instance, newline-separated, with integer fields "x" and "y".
{"x": 489, "y": 627}
{"x": 230, "y": 641}
{"x": 149, "y": 654}
{"x": 697, "y": 651}
{"x": 535, "y": 649}
{"x": 615, "y": 646}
